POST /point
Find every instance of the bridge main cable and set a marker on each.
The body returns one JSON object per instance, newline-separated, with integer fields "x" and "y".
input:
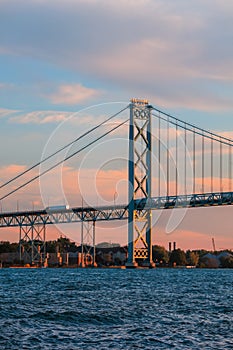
{"x": 198, "y": 146}
{"x": 65, "y": 159}
{"x": 193, "y": 128}
{"x": 63, "y": 148}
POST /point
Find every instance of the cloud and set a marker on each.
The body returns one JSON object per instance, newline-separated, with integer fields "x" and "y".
{"x": 45, "y": 117}
{"x": 4, "y": 112}
{"x": 73, "y": 94}
{"x": 11, "y": 170}
{"x": 64, "y": 183}
{"x": 179, "y": 55}
{"x": 147, "y": 68}
{"x": 64, "y": 118}
{"x": 40, "y": 117}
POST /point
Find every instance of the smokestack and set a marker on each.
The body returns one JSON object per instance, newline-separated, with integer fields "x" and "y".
{"x": 174, "y": 245}
{"x": 170, "y": 246}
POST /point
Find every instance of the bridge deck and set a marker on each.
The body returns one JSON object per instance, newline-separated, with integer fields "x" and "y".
{"x": 116, "y": 212}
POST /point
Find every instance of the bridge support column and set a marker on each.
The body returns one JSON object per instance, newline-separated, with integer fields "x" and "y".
{"x": 139, "y": 222}
{"x": 88, "y": 258}
{"x": 32, "y": 244}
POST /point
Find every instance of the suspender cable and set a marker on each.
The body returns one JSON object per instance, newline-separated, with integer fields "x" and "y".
{"x": 212, "y": 164}
{"x": 194, "y": 160}
{"x": 230, "y": 167}
{"x": 220, "y": 165}
{"x": 176, "y": 160}
{"x": 168, "y": 160}
{"x": 203, "y": 163}
{"x": 159, "y": 157}
{"x": 190, "y": 126}
{"x": 204, "y": 134}
{"x": 185, "y": 159}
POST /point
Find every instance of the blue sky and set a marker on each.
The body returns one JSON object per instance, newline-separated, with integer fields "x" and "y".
{"x": 57, "y": 57}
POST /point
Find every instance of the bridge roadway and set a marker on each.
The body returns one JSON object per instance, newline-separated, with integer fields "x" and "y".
{"x": 116, "y": 212}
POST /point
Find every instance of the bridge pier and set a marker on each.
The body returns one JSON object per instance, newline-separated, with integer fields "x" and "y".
{"x": 32, "y": 244}
{"x": 139, "y": 174}
{"x": 88, "y": 257}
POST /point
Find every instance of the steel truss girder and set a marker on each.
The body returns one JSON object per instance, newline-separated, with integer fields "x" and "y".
{"x": 41, "y": 217}
{"x": 79, "y": 214}
{"x": 139, "y": 223}
{"x": 186, "y": 201}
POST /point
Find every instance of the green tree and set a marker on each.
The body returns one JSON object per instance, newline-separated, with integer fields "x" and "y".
{"x": 65, "y": 245}
{"x": 7, "y": 247}
{"x": 178, "y": 258}
{"x": 192, "y": 258}
{"x": 51, "y": 246}
{"x": 160, "y": 254}
{"x": 227, "y": 262}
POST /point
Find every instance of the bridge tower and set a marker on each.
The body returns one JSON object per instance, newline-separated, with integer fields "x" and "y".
{"x": 139, "y": 174}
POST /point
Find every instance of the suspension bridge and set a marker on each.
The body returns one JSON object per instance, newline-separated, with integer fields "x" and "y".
{"x": 187, "y": 167}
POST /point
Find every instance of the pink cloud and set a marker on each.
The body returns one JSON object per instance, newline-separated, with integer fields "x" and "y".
{"x": 7, "y": 112}
{"x": 40, "y": 117}
{"x": 11, "y": 170}
{"x": 73, "y": 94}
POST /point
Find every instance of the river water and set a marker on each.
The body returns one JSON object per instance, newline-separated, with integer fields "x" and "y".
{"x": 116, "y": 309}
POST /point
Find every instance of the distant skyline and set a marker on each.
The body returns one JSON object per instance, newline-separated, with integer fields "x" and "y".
{"x": 59, "y": 57}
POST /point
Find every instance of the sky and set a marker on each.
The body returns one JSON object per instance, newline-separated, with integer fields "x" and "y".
{"x": 66, "y": 65}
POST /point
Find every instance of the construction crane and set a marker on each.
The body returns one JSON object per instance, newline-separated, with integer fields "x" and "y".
{"x": 213, "y": 243}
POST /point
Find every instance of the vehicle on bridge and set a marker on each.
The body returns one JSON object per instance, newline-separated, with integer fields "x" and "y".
{"x": 57, "y": 208}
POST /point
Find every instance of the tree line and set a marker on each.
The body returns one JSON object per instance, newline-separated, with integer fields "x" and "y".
{"x": 160, "y": 255}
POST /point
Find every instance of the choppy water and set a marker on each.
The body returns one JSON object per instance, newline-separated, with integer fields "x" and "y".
{"x": 116, "y": 309}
